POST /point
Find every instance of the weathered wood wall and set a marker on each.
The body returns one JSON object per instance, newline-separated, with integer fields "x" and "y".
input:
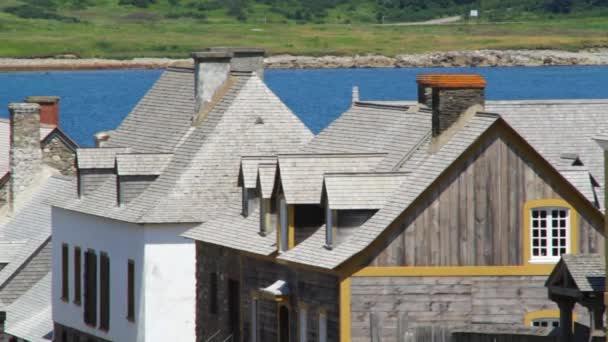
{"x": 475, "y": 215}
{"x": 91, "y": 179}
{"x": 316, "y": 290}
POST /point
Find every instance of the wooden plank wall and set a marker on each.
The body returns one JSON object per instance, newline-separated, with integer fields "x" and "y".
{"x": 389, "y": 308}
{"x": 474, "y": 217}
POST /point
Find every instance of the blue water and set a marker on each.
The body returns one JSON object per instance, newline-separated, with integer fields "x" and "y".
{"x": 93, "y": 101}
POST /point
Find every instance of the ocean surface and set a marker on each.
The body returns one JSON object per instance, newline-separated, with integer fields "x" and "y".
{"x": 93, "y": 101}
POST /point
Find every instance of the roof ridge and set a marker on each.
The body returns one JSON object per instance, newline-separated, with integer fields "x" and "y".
{"x": 329, "y": 155}
{"x": 380, "y": 105}
{"x": 363, "y": 174}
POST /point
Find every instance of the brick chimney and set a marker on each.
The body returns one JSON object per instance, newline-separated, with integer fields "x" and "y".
{"x": 452, "y": 96}
{"x": 49, "y": 108}
{"x": 25, "y": 153}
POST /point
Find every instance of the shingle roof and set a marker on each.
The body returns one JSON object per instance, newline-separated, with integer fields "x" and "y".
{"x": 556, "y": 127}
{"x": 158, "y": 122}
{"x": 98, "y": 158}
{"x": 425, "y": 167}
{"x": 249, "y": 168}
{"x": 267, "y": 175}
{"x": 302, "y": 174}
{"x": 30, "y": 316}
{"x": 5, "y": 141}
{"x": 26, "y": 280}
{"x": 587, "y": 270}
{"x": 230, "y": 229}
{"x": 142, "y": 164}
{"x": 202, "y": 176}
{"x": 8, "y": 249}
{"x": 360, "y": 190}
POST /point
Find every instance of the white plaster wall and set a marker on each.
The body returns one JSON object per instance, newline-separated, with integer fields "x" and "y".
{"x": 170, "y": 292}
{"x": 122, "y": 241}
{"x": 164, "y": 277}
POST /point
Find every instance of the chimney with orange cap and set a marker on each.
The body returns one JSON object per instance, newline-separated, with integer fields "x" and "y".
{"x": 450, "y": 96}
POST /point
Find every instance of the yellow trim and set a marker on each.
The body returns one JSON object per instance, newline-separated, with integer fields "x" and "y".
{"x": 530, "y": 316}
{"x": 345, "y": 309}
{"x": 455, "y": 271}
{"x": 551, "y": 202}
{"x": 291, "y": 229}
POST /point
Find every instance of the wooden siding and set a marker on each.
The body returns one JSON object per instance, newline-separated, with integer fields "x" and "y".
{"x": 475, "y": 215}
{"x": 388, "y": 308}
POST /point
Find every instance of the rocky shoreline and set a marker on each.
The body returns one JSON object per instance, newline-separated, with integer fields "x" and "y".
{"x": 480, "y": 58}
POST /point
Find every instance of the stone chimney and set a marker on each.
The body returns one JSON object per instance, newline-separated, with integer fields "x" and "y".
{"x": 49, "y": 108}
{"x": 213, "y": 67}
{"x": 452, "y": 97}
{"x": 25, "y": 153}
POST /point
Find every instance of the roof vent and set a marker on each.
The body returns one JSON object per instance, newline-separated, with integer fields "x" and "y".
{"x": 259, "y": 121}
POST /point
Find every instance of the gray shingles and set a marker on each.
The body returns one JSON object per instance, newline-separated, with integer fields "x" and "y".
{"x": 98, "y": 158}
{"x": 249, "y": 168}
{"x": 266, "y": 176}
{"x": 30, "y": 316}
{"x": 360, "y": 190}
{"x": 302, "y": 174}
{"x": 202, "y": 176}
{"x": 587, "y": 270}
{"x": 142, "y": 164}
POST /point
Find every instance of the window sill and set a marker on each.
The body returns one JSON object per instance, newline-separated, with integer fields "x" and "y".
{"x": 543, "y": 261}
{"x": 131, "y": 319}
{"x": 77, "y": 303}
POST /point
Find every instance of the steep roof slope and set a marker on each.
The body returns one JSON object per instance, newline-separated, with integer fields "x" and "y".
{"x": 202, "y": 175}
{"x": 159, "y": 120}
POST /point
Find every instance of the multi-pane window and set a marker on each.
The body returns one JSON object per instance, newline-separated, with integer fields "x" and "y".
{"x": 546, "y": 322}
{"x": 550, "y": 233}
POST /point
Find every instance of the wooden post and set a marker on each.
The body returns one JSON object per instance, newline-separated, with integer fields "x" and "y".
{"x": 565, "y": 319}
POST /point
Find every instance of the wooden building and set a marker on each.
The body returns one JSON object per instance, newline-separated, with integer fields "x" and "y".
{"x": 403, "y": 221}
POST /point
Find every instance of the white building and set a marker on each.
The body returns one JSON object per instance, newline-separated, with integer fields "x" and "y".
{"x": 122, "y": 271}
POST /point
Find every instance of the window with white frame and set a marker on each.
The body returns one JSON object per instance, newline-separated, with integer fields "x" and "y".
{"x": 550, "y": 233}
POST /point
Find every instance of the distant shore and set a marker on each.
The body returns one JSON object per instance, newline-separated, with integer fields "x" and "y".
{"x": 479, "y": 58}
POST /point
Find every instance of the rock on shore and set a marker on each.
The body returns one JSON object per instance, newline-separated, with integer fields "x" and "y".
{"x": 480, "y": 58}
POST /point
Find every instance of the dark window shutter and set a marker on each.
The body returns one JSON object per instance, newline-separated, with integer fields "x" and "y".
{"x": 131, "y": 291}
{"x": 77, "y": 276}
{"x": 104, "y": 291}
{"x": 90, "y": 289}
{"x": 65, "y": 272}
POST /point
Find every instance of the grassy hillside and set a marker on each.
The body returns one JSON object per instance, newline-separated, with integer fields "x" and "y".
{"x": 172, "y": 28}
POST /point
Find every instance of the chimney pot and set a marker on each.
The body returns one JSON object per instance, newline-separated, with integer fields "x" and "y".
{"x": 49, "y": 108}
{"x": 450, "y": 96}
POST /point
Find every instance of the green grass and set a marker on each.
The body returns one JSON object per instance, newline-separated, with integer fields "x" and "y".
{"x": 112, "y": 33}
